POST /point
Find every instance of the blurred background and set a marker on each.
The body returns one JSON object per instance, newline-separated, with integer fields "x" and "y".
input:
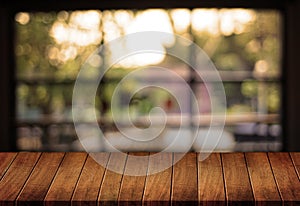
{"x": 244, "y": 44}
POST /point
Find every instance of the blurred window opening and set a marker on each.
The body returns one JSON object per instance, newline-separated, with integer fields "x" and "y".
{"x": 244, "y": 45}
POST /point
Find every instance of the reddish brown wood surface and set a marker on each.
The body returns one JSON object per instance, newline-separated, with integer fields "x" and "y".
{"x": 38, "y": 183}
{"x": 5, "y": 160}
{"x": 184, "y": 182}
{"x": 87, "y": 189}
{"x": 296, "y": 160}
{"x": 158, "y": 182}
{"x": 133, "y": 182}
{"x": 155, "y": 179}
{"x": 263, "y": 183}
{"x": 16, "y": 176}
{"x": 210, "y": 173}
{"x": 110, "y": 187}
{"x": 286, "y": 177}
{"x": 237, "y": 184}
{"x": 63, "y": 185}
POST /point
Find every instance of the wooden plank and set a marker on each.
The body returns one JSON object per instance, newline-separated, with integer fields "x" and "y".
{"x": 110, "y": 187}
{"x": 6, "y": 159}
{"x": 16, "y": 176}
{"x": 40, "y": 179}
{"x": 184, "y": 181}
{"x": 133, "y": 181}
{"x": 237, "y": 184}
{"x": 158, "y": 183}
{"x": 211, "y": 183}
{"x": 63, "y": 185}
{"x": 296, "y": 160}
{"x": 262, "y": 180}
{"x": 286, "y": 177}
{"x": 87, "y": 189}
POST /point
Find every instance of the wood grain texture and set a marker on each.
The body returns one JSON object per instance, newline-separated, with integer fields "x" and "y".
{"x": 16, "y": 176}
{"x": 221, "y": 179}
{"x": 184, "y": 182}
{"x": 40, "y": 179}
{"x": 158, "y": 183}
{"x": 133, "y": 182}
{"x": 110, "y": 187}
{"x": 296, "y": 160}
{"x": 237, "y": 184}
{"x": 87, "y": 189}
{"x": 263, "y": 183}
{"x": 5, "y": 161}
{"x": 286, "y": 178}
{"x": 210, "y": 181}
{"x": 63, "y": 185}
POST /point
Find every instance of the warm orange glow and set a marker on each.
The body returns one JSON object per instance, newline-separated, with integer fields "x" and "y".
{"x": 221, "y": 22}
{"x": 181, "y": 19}
{"x": 149, "y": 20}
{"x": 205, "y": 20}
{"x": 22, "y": 17}
{"x": 83, "y": 28}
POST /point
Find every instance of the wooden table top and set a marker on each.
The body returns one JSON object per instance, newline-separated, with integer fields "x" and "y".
{"x": 63, "y": 178}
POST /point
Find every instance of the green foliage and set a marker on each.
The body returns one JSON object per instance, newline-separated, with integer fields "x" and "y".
{"x": 39, "y": 56}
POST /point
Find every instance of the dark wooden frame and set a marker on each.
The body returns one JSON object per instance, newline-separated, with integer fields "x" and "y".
{"x": 290, "y": 72}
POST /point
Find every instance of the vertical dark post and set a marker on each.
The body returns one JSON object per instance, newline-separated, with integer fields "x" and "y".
{"x": 7, "y": 85}
{"x": 291, "y": 78}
